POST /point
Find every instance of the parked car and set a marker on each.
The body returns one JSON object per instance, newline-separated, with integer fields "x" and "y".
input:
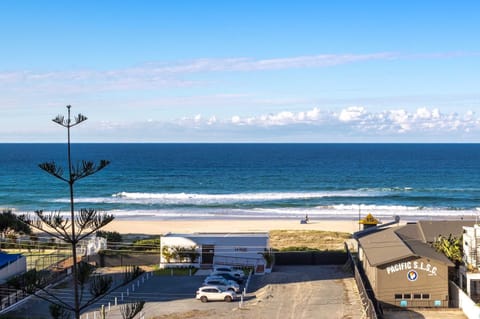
{"x": 227, "y": 276}
{"x": 208, "y": 293}
{"x": 222, "y": 283}
{"x": 229, "y": 270}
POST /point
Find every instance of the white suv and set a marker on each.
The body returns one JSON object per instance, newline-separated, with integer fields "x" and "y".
{"x": 208, "y": 293}
{"x": 221, "y": 283}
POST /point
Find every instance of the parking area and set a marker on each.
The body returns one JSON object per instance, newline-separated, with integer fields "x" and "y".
{"x": 300, "y": 292}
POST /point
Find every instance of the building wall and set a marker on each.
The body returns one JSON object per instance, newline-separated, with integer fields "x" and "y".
{"x": 414, "y": 282}
{"x": 15, "y": 268}
{"x": 471, "y": 246}
{"x": 228, "y": 247}
{"x": 370, "y": 272}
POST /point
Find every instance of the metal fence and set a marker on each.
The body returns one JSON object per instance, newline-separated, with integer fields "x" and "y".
{"x": 369, "y": 302}
{"x": 291, "y": 258}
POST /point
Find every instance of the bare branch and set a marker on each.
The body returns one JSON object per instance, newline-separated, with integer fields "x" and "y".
{"x": 60, "y": 119}
{"x": 57, "y": 225}
{"x": 87, "y": 168}
{"x": 52, "y": 169}
{"x": 80, "y": 118}
{"x": 91, "y": 220}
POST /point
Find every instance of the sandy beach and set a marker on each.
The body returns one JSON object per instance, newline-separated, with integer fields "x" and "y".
{"x": 158, "y": 227}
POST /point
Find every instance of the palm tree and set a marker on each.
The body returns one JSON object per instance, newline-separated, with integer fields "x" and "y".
{"x": 451, "y": 247}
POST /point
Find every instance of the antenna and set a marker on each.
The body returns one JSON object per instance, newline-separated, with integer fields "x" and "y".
{"x": 359, "y": 217}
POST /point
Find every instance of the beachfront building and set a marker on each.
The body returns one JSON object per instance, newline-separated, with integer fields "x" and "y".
{"x": 204, "y": 250}
{"x": 11, "y": 265}
{"x": 402, "y": 267}
{"x": 403, "y": 270}
{"x": 470, "y": 270}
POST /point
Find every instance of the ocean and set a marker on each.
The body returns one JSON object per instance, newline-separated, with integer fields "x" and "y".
{"x": 201, "y": 181}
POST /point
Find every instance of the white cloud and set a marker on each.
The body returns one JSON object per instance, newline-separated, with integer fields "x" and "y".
{"x": 236, "y": 119}
{"x": 166, "y": 75}
{"x": 352, "y": 113}
{"x": 312, "y": 125}
{"x": 358, "y": 119}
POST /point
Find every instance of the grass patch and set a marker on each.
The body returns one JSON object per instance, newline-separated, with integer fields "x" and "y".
{"x": 307, "y": 240}
{"x": 174, "y": 271}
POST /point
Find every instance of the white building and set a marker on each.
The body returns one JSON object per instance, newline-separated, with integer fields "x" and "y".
{"x": 470, "y": 271}
{"x": 234, "y": 249}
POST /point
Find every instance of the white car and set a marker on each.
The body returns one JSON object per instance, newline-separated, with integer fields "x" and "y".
{"x": 208, "y": 293}
{"x": 237, "y": 273}
{"x": 221, "y": 283}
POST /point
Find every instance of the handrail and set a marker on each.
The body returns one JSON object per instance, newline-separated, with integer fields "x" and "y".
{"x": 370, "y": 311}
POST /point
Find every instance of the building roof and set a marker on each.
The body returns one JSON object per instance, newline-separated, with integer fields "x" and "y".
{"x": 417, "y": 246}
{"x": 384, "y": 247}
{"x": 221, "y": 235}
{"x": 431, "y": 229}
{"x": 398, "y": 243}
{"x": 6, "y": 259}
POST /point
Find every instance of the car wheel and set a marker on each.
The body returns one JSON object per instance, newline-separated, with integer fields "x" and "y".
{"x": 203, "y": 298}
{"x": 228, "y": 298}
{"x": 231, "y": 289}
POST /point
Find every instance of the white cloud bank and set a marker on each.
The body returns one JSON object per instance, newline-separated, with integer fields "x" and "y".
{"x": 353, "y": 119}
{"x": 351, "y": 124}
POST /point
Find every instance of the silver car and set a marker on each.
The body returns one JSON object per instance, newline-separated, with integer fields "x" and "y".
{"x": 237, "y": 273}
{"x": 222, "y": 283}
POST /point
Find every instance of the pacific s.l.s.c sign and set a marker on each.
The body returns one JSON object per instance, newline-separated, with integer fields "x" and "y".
{"x": 412, "y": 265}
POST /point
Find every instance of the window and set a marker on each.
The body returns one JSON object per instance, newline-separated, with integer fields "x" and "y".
{"x": 407, "y": 296}
{"x": 398, "y": 296}
{"x": 425, "y": 296}
{"x": 417, "y": 296}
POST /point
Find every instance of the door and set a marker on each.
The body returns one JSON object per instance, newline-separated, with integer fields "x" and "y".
{"x": 208, "y": 251}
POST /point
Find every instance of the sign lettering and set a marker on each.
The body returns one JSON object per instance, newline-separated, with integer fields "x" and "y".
{"x": 412, "y": 265}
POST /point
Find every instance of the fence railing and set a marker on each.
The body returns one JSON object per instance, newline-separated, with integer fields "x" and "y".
{"x": 237, "y": 261}
{"x": 369, "y": 308}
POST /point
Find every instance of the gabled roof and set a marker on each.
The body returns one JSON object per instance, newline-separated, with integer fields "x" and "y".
{"x": 431, "y": 229}
{"x": 384, "y": 247}
{"x": 398, "y": 243}
{"x": 418, "y": 247}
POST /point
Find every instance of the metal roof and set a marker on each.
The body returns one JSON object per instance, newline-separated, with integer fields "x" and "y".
{"x": 384, "y": 247}
{"x": 219, "y": 235}
{"x": 398, "y": 243}
{"x": 6, "y": 259}
{"x": 417, "y": 246}
{"x": 431, "y": 229}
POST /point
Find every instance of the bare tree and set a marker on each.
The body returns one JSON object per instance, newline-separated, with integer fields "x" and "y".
{"x": 71, "y": 229}
{"x": 130, "y": 310}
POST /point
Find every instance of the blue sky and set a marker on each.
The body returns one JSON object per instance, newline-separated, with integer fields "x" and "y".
{"x": 241, "y": 71}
